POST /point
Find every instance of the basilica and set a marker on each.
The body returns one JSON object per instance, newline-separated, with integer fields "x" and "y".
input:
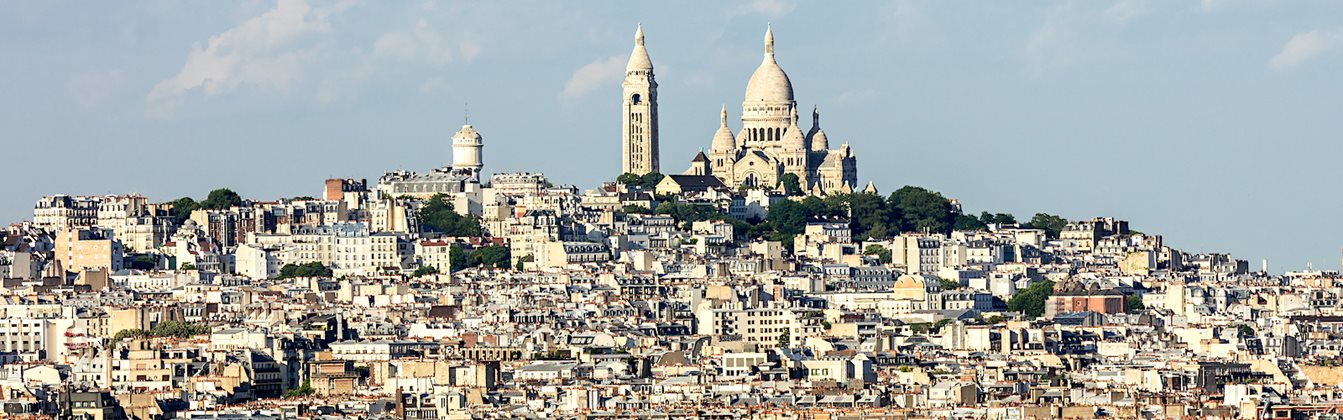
{"x": 769, "y": 145}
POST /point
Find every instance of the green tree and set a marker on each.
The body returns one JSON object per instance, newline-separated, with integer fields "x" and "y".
{"x": 918, "y": 209}
{"x": 788, "y": 217}
{"x": 187, "y": 266}
{"x": 999, "y": 218}
{"x": 646, "y": 181}
{"x": 790, "y": 183}
{"x": 179, "y": 329}
{"x": 636, "y": 209}
{"x": 882, "y": 254}
{"x": 302, "y": 391}
{"x": 457, "y": 258}
{"x": 784, "y": 340}
{"x": 650, "y": 180}
{"x": 1134, "y": 303}
{"x": 628, "y": 178}
{"x": 438, "y": 215}
{"x": 868, "y": 215}
{"x": 182, "y": 208}
{"x": 427, "y": 270}
{"x": 967, "y": 223}
{"x": 1049, "y": 223}
{"x": 949, "y": 284}
{"x": 1031, "y": 300}
{"x": 221, "y": 199}
{"x": 309, "y": 269}
{"x": 489, "y": 256}
{"x": 1245, "y": 330}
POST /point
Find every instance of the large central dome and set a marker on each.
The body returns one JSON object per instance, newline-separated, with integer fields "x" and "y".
{"x": 769, "y": 83}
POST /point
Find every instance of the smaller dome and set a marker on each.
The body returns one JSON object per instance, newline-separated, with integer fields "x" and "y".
{"x": 639, "y": 60}
{"x": 819, "y": 142}
{"x": 722, "y": 139}
{"x": 467, "y": 134}
{"x": 792, "y": 137}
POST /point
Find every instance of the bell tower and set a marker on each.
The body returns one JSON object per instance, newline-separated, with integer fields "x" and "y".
{"x": 639, "y": 112}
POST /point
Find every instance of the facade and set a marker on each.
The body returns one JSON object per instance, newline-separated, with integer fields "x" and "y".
{"x": 770, "y": 144}
{"x": 79, "y": 249}
{"x": 639, "y": 112}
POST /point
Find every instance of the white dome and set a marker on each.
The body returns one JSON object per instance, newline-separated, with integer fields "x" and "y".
{"x": 467, "y": 135}
{"x": 769, "y": 83}
{"x": 639, "y": 60}
{"x": 723, "y": 140}
{"x": 792, "y": 137}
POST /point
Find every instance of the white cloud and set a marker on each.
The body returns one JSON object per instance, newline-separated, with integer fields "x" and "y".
{"x": 428, "y": 44}
{"x": 1305, "y": 46}
{"x": 770, "y": 8}
{"x": 1078, "y": 32}
{"x": 1051, "y": 45}
{"x": 90, "y": 88}
{"x": 598, "y": 73}
{"x": 1124, "y": 10}
{"x": 258, "y": 52}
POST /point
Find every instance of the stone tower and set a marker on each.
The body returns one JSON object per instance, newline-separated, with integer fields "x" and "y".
{"x": 639, "y": 112}
{"x": 467, "y": 146}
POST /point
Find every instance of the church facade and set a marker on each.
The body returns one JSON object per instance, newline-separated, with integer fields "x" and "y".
{"x": 769, "y": 144}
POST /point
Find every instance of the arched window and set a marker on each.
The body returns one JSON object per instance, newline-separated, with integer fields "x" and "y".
{"x": 635, "y": 99}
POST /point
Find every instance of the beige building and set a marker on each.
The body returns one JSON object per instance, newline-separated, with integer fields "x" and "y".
{"x": 79, "y": 249}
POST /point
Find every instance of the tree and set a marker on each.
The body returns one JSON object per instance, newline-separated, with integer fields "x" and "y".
{"x": 918, "y": 209}
{"x": 456, "y": 258}
{"x": 1000, "y": 218}
{"x": 791, "y": 184}
{"x": 221, "y": 199}
{"x": 636, "y": 209}
{"x": 489, "y": 256}
{"x": 427, "y": 270}
{"x": 179, "y": 329}
{"x": 187, "y": 266}
{"x": 1133, "y": 303}
{"x": 650, "y": 180}
{"x": 882, "y": 254}
{"x": 438, "y": 214}
{"x": 784, "y": 340}
{"x": 967, "y": 223}
{"x": 628, "y": 178}
{"x": 949, "y": 284}
{"x": 788, "y": 217}
{"x": 143, "y": 262}
{"x": 302, "y": 391}
{"x": 1244, "y": 330}
{"x": 182, "y": 208}
{"x": 868, "y": 215}
{"x": 1049, "y": 223}
{"x": 1031, "y": 300}
{"x": 646, "y": 181}
{"x": 309, "y": 269}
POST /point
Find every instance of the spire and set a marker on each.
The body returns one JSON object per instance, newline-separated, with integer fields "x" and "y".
{"x": 639, "y": 60}
{"x": 769, "y": 42}
{"x": 816, "y": 116}
{"x": 722, "y": 116}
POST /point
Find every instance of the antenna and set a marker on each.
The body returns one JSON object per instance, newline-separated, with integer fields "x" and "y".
{"x": 466, "y": 113}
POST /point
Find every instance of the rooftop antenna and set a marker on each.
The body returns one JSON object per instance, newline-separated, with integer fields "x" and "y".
{"x": 466, "y": 113}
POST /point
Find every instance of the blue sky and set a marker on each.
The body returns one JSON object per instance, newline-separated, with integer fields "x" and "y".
{"x": 1215, "y": 122}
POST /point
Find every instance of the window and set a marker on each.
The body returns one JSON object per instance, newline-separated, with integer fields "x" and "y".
{"x": 635, "y": 99}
